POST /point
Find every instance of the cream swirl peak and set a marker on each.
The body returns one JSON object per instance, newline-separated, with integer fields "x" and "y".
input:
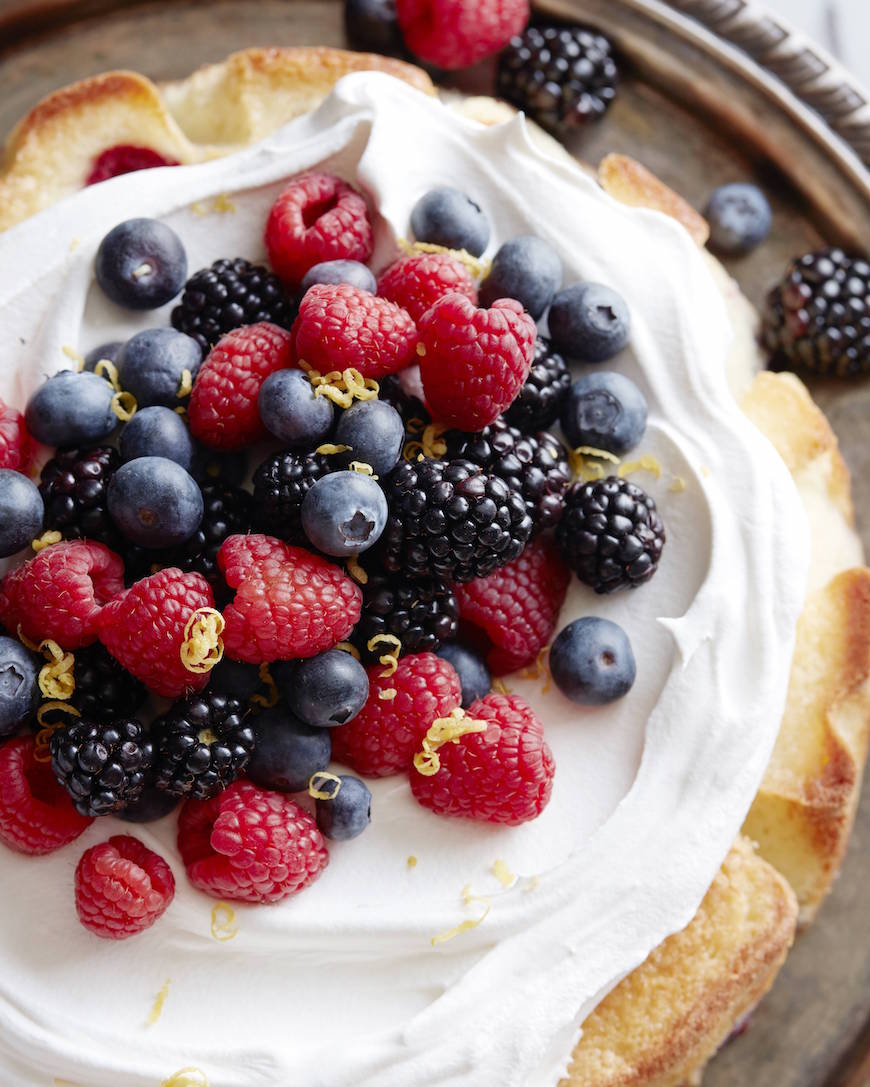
{"x": 344, "y": 985}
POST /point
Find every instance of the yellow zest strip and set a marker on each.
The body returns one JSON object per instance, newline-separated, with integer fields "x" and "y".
{"x": 107, "y": 370}
{"x": 224, "y": 204}
{"x": 76, "y": 356}
{"x": 46, "y": 540}
{"x": 645, "y": 463}
{"x": 42, "y": 751}
{"x": 479, "y": 268}
{"x": 501, "y": 871}
{"x": 270, "y": 699}
{"x": 415, "y": 425}
{"x": 223, "y": 922}
{"x": 187, "y": 1077}
{"x": 203, "y": 646}
{"x": 56, "y": 679}
{"x": 318, "y": 780}
{"x": 328, "y": 448}
{"x": 586, "y": 463}
{"x": 356, "y": 571}
{"x": 444, "y": 730}
{"x": 678, "y": 485}
{"x": 467, "y": 925}
{"x": 500, "y": 687}
{"x": 32, "y": 646}
{"x": 348, "y": 647}
{"x": 157, "y": 1007}
{"x": 387, "y": 694}
{"x": 185, "y": 385}
{"x": 198, "y": 208}
{"x": 342, "y": 387}
{"x": 363, "y": 468}
{"x": 412, "y": 449}
{"x": 430, "y": 445}
{"x": 412, "y": 861}
{"x": 390, "y": 660}
{"x": 531, "y": 884}
{"x": 124, "y": 406}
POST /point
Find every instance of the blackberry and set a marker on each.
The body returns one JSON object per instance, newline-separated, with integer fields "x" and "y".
{"x": 534, "y": 466}
{"x": 421, "y": 614}
{"x": 231, "y": 293}
{"x": 391, "y": 391}
{"x": 819, "y": 315}
{"x": 104, "y": 690}
{"x": 563, "y": 76}
{"x": 280, "y": 485}
{"x": 73, "y": 486}
{"x": 101, "y": 766}
{"x": 540, "y": 399}
{"x": 611, "y": 534}
{"x": 451, "y": 520}
{"x": 201, "y": 745}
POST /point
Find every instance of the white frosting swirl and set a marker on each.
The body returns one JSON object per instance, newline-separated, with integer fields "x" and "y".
{"x": 341, "y": 986}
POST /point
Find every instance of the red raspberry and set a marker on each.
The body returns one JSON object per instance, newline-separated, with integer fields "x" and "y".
{"x": 125, "y": 158}
{"x": 458, "y": 33}
{"x": 502, "y": 775}
{"x": 223, "y": 410}
{"x": 474, "y": 361}
{"x": 61, "y": 591}
{"x": 417, "y": 282}
{"x": 36, "y": 813}
{"x": 289, "y": 602}
{"x": 340, "y": 326}
{"x": 517, "y": 607}
{"x": 122, "y": 887}
{"x": 386, "y": 734}
{"x": 16, "y": 445}
{"x": 143, "y": 628}
{"x": 250, "y": 845}
{"x": 317, "y": 217}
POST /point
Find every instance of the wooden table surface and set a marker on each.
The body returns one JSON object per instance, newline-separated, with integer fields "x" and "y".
{"x": 814, "y": 1028}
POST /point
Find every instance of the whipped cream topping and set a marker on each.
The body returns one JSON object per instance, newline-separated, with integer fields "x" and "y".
{"x": 342, "y": 985}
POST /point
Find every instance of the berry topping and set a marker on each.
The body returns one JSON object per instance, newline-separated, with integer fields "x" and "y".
{"x": 287, "y": 752}
{"x": 591, "y": 661}
{"x": 450, "y": 218}
{"x": 325, "y": 690}
{"x": 141, "y": 264}
{"x": 122, "y": 888}
{"x": 125, "y": 158}
{"x": 455, "y": 34}
{"x": 540, "y": 399}
{"x": 344, "y": 807}
{"x": 590, "y": 322}
{"x": 16, "y": 445}
{"x": 340, "y": 271}
{"x": 344, "y": 514}
{"x": 19, "y": 692}
{"x": 21, "y": 512}
{"x": 292, "y": 413}
{"x": 604, "y": 410}
{"x": 421, "y": 614}
{"x": 473, "y": 673}
{"x": 151, "y": 805}
{"x": 157, "y": 365}
{"x": 71, "y": 409}
{"x": 374, "y": 433}
{"x": 527, "y": 269}
{"x": 104, "y": 691}
{"x": 154, "y": 502}
{"x": 416, "y": 282}
{"x": 73, "y": 487}
{"x": 101, "y": 766}
{"x": 280, "y": 485}
{"x": 157, "y": 432}
{"x": 739, "y": 217}
{"x": 373, "y": 26}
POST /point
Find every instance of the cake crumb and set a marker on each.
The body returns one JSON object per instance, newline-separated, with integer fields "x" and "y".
{"x": 412, "y": 861}
{"x": 678, "y": 485}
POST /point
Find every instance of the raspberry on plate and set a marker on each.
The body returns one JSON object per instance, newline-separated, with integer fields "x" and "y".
{"x": 417, "y": 281}
{"x": 61, "y": 591}
{"x": 223, "y": 409}
{"x": 125, "y": 158}
{"x": 317, "y": 217}
{"x": 36, "y": 814}
{"x": 340, "y": 326}
{"x": 288, "y": 603}
{"x": 16, "y": 445}
{"x": 501, "y": 772}
{"x": 383, "y": 737}
{"x": 250, "y": 845}
{"x": 122, "y": 887}
{"x": 455, "y": 34}
{"x": 474, "y": 361}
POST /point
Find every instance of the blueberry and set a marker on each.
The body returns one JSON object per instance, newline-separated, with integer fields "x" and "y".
{"x": 340, "y": 271}
{"x": 111, "y": 351}
{"x": 526, "y": 268}
{"x": 373, "y": 26}
{"x": 344, "y": 513}
{"x": 235, "y": 678}
{"x": 349, "y": 811}
{"x": 375, "y": 433}
{"x": 152, "y": 805}
{"x": 153, "y": 363}
{"x": 19, "y": 687}
{"x": 71, "y": 409}
{"x": 21, "y": 512}
{"x": 604, "y": 410}
{"x": 141, "y": 264}
{"x": 290, "y": 410}
{"x": 323, "y": 691}
{"x": 287, "y": 752}
{"x": 157, "y": 432}
{"x": 739, "y": 218}
{"x": 472, "y": 671}
{"x": 591, "y": 661}
{"x": 589, "y": 321}
{"x": 154, "y": 502}
{"x": 215, "y": 466}
{"x": 446, "y": 216}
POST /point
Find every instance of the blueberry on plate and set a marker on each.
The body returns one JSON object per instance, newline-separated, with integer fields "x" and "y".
{"x": 141, "y": 264}
{"x": 290, "y": 410}
{"x": 323, "y": 691}
{"x": 71, "y": 409}
{"x": 605, "y": 410}
{"x": 739, "y": 217}
{"x": 448, "y": 217}
{"x": 156, "y": 364}
{"x": 527, "y": 269}
{"x": 340, "y": 271}
{"x": 157, "y": 432}
{"x": 592, "y": 662}
{"x": 474, "y": 676}
{"x": 19, "y": 687}
{"x": 347, "y": 812}
{"x": 375, "y": 433}
{"x": 287, "y": 752}
{"x": 21, "y": 512}
{"x": 589, "y": 322}
{"x": 344, "y": 513}
{"x": 151, "y": 805}
{"x": 235, "y": 678}
{"x": 109, "y": 351}
{"x": 373, "y": 26}
{"x": 154, "y": 502}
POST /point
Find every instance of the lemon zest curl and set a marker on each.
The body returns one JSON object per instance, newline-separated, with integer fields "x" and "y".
{"x": 444, "y": 730}
{"x": 203, "y": 646}
{"x": 318, "y": 780}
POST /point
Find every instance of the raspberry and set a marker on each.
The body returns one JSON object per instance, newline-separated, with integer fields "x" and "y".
{"x": 340, "y": 326}
{"x": 144, "y": 627}
{"x": 454, "y": 33}
{"x": 474, "y": 361}
{"x": 122, "y": 887}
{"x": 385, "y": 734}
{"x": 125, "y": 158}
{"x": 317, "y": 217}
{"x": 16, "y": 445}
{"x": 289, "y": 602}
{"x": 60, "y": 592}
{"x": 502, "y": 775}
{"x": 416, "y": 282}
{"x": 250, "y": 845}
{"x": 223, "y": 410}
{"x": 36, "y": 814}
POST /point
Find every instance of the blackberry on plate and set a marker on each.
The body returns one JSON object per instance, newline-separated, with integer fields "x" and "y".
{"x": 104, "y": 690}
{"x": 563, "y": 76}
{"x": 73, "y": 486}
{"x": 231, "y": 293}
{"x": 818, "y": 316}
{"x": 201, "y": 745}
{"x": 392, "y": 392}
{"x": 280, "y": 485}
{"x": 611, "y": 534}
{"x": 101, "y": 766}
{"x": 451, "y": 520}
{"x": 421, "y": 614}
{"x": 539, "y": 401}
